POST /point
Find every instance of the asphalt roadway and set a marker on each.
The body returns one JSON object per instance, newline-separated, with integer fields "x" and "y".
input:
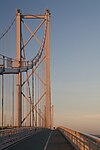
{"x": 44, "y": 140}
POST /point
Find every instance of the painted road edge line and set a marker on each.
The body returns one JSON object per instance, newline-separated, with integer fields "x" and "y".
{"x": 47, "y": 141}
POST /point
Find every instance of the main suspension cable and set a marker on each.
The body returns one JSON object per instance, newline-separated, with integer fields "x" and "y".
{"x": 7, "y": 30}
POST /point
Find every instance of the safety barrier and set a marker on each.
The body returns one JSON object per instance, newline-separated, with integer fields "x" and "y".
{"x": 11, "y": 136}
{"x": 81, "y": 141}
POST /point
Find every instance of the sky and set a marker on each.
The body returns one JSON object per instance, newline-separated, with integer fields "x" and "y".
{"x": 75, "y": 57}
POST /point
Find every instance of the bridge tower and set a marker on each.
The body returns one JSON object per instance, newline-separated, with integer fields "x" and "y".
{"x": 19, "y": 47}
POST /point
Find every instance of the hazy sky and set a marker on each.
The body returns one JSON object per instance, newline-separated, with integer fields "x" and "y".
{"x": 75, "y": 57}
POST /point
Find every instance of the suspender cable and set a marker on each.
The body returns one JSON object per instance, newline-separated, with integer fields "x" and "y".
{"x": 2, "y": 101}
{"x": 13, "y": 100}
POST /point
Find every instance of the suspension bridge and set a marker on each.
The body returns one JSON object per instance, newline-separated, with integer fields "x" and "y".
{"x": 26, "y": 111}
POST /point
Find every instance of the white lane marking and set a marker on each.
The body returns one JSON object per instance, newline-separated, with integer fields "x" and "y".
{"x": 47, "y": 141}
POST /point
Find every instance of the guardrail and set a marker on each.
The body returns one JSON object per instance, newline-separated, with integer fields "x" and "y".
{"x": 80, "y": 141}
{"x": 7, "y": 62}
{"x": 10, "y": 65}
{"x": 11, "y": 136}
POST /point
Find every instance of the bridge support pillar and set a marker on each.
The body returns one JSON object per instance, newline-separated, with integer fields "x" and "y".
{"x": 18, "y": 64}
{"x": 48, "y": 98}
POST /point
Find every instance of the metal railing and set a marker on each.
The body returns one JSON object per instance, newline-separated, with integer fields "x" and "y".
{"x": 11, "y": 136}
{"x": 80, "y": 141}
{"x": 7, "y": 62}
{"x": 16, "y": 66}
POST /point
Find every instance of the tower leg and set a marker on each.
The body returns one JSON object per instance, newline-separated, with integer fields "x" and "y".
{"x": 48, "y": 101}
{"x": 18, "y": 64}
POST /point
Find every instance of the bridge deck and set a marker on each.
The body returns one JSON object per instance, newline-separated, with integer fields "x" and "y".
{"x": 44, "y": 140}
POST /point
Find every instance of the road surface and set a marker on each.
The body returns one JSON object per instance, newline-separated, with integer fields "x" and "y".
{"x": 44, "y": 140}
